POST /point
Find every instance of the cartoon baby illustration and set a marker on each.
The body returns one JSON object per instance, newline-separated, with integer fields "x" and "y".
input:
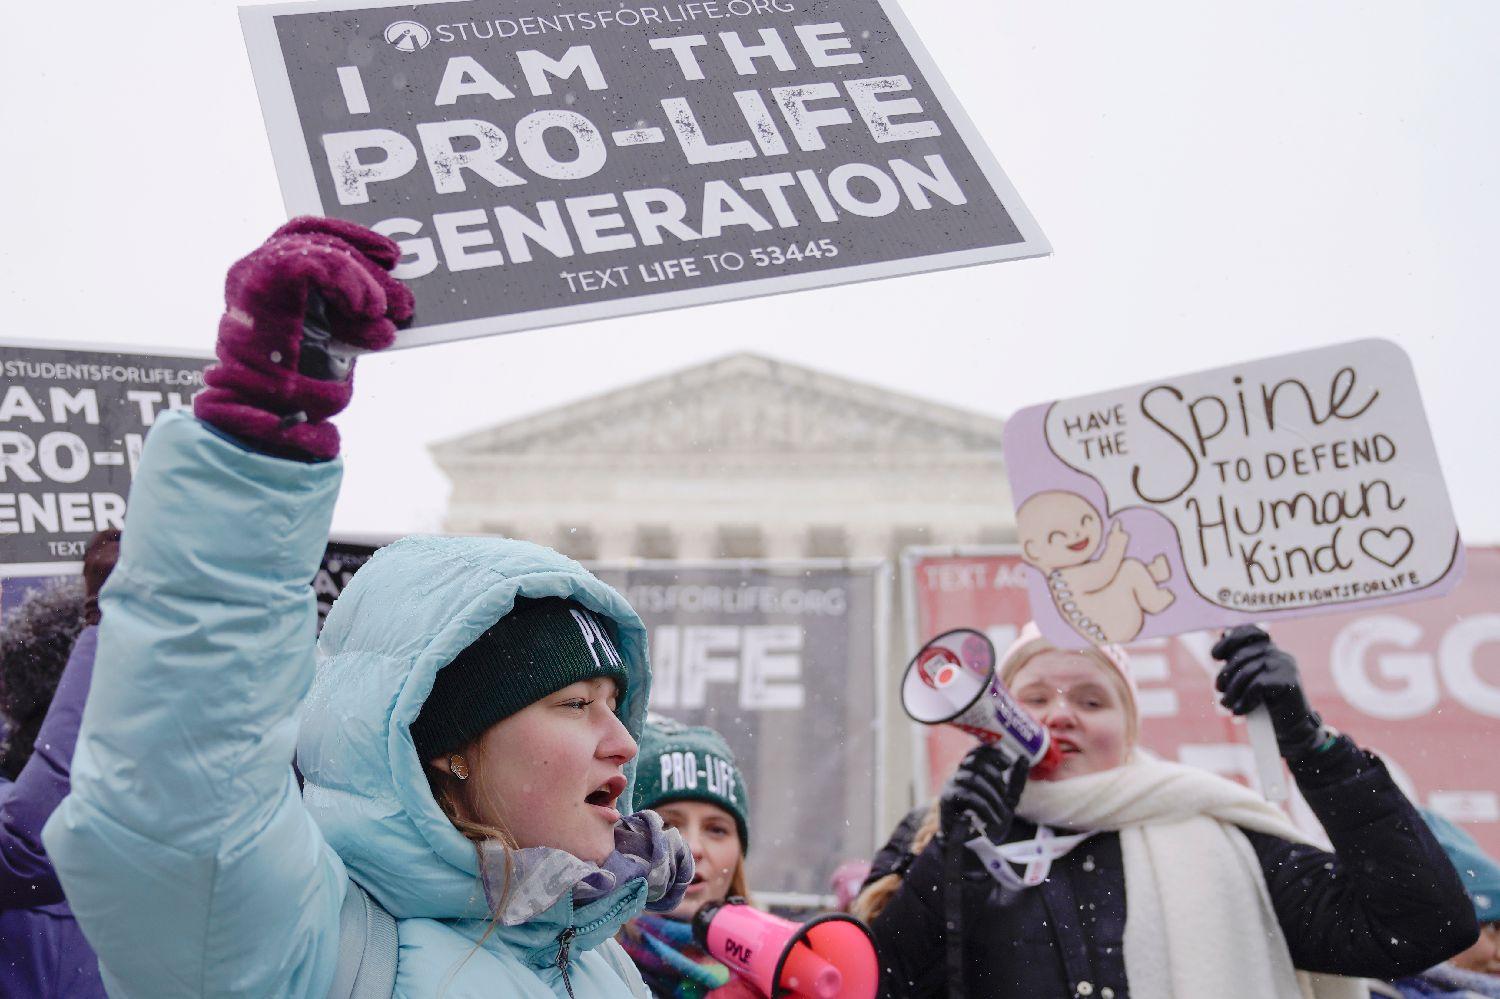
{"x": 1106, "y": 599}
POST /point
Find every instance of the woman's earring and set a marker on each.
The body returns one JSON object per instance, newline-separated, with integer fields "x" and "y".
{"x": 458, "y": 767}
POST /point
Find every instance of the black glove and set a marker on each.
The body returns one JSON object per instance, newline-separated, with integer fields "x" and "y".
{"x": 1256, "y": 672}
{"x": 981, "y": 796}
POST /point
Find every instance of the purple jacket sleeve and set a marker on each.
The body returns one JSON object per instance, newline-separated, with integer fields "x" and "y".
{"x": 26, "y": 875}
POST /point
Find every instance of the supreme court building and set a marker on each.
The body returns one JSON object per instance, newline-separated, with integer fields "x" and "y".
{"x": 743, "y": 457}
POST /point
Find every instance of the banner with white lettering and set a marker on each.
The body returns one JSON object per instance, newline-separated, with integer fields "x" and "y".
{"x": 1284, "y": 486}
{"x": 72, "y": 422}
{"x": 1418, "y": 683}
{"x": 341, "y": 559}
{"x": 784, "y": 660}
{"x": 543, "y": 164}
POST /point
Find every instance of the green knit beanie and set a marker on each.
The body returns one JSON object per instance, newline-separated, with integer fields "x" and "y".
{"x": 540, "y": 647}
{"x": 1476, "y": 869}
{"x": 689, "y": 763}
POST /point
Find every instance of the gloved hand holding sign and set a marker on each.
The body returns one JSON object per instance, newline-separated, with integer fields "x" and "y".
{"x": 1257, "y": 672}
{"x": 298, "y": 309}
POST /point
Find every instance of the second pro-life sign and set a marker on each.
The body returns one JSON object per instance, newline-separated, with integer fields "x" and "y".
{"x": 73, "y": 420}
{"x": 1282, "y": 486}
{"x": 541, "y": 163}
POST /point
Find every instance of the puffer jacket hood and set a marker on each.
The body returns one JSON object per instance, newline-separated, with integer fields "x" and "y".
{"x": 405, "y": 615}
{"x": 191, "y": 859}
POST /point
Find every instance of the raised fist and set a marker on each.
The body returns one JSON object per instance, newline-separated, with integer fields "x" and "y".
{"x": 298, "y": 309}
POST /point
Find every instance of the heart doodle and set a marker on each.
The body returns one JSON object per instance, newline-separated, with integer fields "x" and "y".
{"x": 1386, "y": 547}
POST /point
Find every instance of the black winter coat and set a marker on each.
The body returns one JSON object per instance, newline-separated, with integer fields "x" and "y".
{"x": 1386, "y": 903}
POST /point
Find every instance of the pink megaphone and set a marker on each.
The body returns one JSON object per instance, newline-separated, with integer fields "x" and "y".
{"x": 831, "y": 957}
{"x": 952, "y": 681}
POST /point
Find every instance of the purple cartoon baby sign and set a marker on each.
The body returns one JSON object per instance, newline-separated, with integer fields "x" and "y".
{"x": 1274, "y": 488}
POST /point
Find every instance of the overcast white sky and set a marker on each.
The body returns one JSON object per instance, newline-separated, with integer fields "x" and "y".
{"x": 1219, "y": 182}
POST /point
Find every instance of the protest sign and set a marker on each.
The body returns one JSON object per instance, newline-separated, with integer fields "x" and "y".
{"x": 784, "y": 659}
{"x": 1278, "y": 487}
{"x": 72, "y": 422}
{"x": 541, "y": 164}
{"x": 1419, "y": 683}
{"x": 341, "y": 559}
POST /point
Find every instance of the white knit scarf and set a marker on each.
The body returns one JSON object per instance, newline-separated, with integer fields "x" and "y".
{"x": 1198, "y": 921}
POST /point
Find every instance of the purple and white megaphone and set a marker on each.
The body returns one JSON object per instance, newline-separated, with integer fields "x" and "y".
{"x": 952, "y": 680}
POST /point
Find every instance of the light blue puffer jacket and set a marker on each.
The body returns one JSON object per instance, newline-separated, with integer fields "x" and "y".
{"x": 191, "y": 861}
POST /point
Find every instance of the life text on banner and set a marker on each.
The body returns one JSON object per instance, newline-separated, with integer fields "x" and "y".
{"x": 783, "y": 659}
{"x": 539, "y": 165}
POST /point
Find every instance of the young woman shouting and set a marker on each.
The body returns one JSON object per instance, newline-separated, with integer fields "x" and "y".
{"x": 467, "y": 734}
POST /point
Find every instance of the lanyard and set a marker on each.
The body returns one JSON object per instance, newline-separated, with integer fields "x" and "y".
{"x": 1036, "y": 854}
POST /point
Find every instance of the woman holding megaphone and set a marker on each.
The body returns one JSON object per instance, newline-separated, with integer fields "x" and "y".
{"x": 1112, "y": 873}
{"x": 688, "y": 776}
{"x": 467, "y": 731}
{"x": 715, "y": 944}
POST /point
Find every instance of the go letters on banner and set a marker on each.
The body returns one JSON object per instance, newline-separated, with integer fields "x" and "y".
{"x": 1280, "y": 487}
{"x": 541, "y": 164}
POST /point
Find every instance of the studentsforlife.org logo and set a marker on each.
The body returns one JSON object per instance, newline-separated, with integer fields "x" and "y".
{"x": 408, "y": 36}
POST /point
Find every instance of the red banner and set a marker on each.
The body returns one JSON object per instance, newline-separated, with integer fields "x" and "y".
{"x": 1419, "y": 682}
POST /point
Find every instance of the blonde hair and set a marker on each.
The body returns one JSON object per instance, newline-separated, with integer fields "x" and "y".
{"x": 739, "y": 881}
{"x": 1019, "y": 657}
{"x": 875, "y": 896}
{"x": 455, "y": 797}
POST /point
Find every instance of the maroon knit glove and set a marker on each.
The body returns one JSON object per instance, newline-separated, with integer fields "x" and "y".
{"x": 272, "y": 389}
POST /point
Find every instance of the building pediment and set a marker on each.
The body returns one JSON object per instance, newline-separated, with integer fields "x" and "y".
{"x": 743, "y": 404}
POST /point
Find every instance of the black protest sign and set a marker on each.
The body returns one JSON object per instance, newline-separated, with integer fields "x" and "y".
{"x": 541, "y": 166}
{"x": 72, "y": 423}
{"x": 341, "y": 559}
{"x": 783, "y": 660}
